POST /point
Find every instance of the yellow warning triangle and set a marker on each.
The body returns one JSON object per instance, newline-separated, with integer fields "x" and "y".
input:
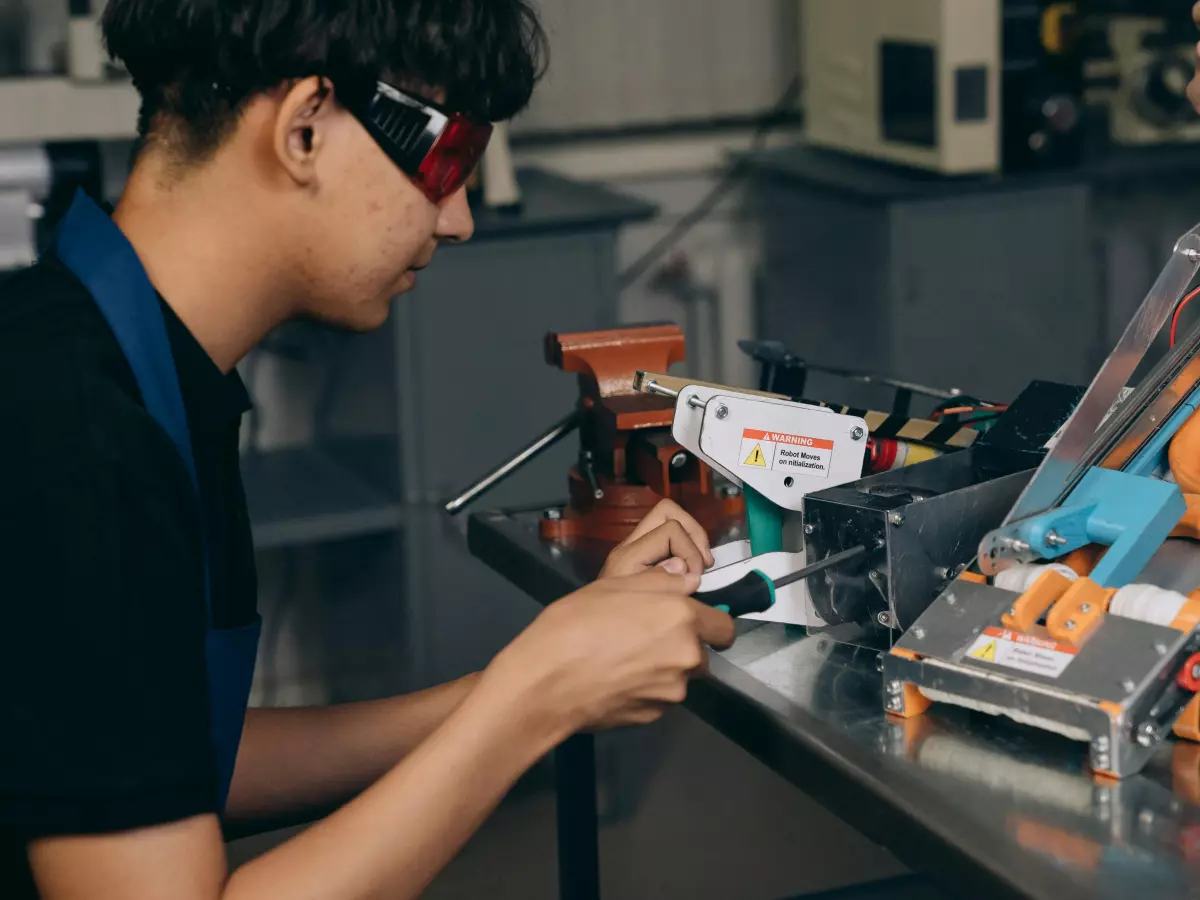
{"x": 756, "y": 457}
{"x": 987, "y": 652}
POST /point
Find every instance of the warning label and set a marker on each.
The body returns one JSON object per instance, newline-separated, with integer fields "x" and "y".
{"x": 1025, "y": 652}
{"x": 786, "y": 452}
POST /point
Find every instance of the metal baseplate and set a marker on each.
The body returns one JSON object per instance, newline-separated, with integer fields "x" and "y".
{"x": 1118, "y": 691}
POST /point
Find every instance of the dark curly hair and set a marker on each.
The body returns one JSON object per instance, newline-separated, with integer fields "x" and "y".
{"x": 195, "y": 63}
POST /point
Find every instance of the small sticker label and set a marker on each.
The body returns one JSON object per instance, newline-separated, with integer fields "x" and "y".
{"x": 786, "y": 452}
{"x": 1025, "y": 652}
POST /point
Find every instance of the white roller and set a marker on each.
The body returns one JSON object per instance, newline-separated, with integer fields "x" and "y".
{"x": 1147, "y": 603}
{"x": 1020, "y": 578}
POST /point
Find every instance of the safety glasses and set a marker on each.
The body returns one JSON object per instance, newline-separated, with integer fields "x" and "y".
{"x": 437, "y": 150}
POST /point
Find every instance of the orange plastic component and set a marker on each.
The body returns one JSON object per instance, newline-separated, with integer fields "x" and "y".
{"x": 1083, "y": 560}
{"x": 1184, "y": 455}
{"x": 904, "y": 654}
{"x": 1188, "y": 617}
{"x": 1187, "y": 726}
{"x": 1031, "y": 605}
{"x": 1078, "y": 611}
{"x": 1189, "y": 525}
{"x": 914, "y": 703}
{"x": 1064, "y": 846}
{"x": 973, "y": 577}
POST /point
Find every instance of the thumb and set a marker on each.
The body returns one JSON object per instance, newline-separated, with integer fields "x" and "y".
{"x": 674, "y": 565}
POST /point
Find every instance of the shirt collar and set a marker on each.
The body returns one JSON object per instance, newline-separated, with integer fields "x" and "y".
{"x": 213, "y": 399}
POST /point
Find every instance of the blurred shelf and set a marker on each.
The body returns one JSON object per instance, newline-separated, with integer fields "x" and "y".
{"x": 37, "y": 110}
{"x": 305, "y": 495}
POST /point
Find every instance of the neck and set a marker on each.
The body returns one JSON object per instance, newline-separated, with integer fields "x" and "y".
{"x": 214, "y": 261}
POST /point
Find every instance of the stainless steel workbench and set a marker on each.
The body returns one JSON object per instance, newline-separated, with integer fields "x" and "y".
{"x": 985, "y": 807}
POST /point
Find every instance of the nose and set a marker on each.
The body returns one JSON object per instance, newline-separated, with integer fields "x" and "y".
{"x": 455, "y": 224}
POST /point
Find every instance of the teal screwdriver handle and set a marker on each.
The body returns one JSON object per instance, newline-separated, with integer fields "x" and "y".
{"x": 753, "y": 593}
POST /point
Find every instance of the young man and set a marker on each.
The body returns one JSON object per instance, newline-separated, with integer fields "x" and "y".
{"x": 299, "y": 159}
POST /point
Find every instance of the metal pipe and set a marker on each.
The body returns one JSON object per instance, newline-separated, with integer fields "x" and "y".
{"x": 555, "y": 434}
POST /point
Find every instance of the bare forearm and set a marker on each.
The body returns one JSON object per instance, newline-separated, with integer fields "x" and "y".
{"x": 395, "y": 837}
{"x": 296, "y": 760}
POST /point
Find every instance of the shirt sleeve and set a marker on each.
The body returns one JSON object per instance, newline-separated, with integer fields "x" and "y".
{"x": 103, "y": 694}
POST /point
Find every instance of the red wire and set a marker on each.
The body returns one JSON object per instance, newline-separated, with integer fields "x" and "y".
{"x": 1182, "y": 303}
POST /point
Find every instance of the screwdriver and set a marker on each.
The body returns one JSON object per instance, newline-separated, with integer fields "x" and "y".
{"x": 755, "y": 592}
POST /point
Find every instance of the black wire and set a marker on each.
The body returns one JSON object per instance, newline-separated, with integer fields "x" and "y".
{"x": 703, "y": 209}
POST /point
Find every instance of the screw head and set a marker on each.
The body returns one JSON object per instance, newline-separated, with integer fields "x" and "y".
{"x": 951, "y": 599}
{"x": 1101, "y": 743}
{"x": 552, "y": 515}
{"x": 679, "y": 460}
{"x": 1128, "y": 684}
{"x": 730, "y": 490}
{"x": 893, "y": 687}
{"x": 1054, "y": 539}
{"x": 789, "y": 481}
{"x": 884, "y": 619}
{"x": 918, "y": 632}
{"x": 1069, "y": 624}
{"x": 1147, "y": 734}
{"x": 722, "y": 411}
{"x": 1012, "y": 610}
{"x": 1085, "y": 607}
{"x": 810, "y": 528}
{"x": 1160, "y": 648}
{"x": 895, "y": 519}
{"x": 857, "y": 434}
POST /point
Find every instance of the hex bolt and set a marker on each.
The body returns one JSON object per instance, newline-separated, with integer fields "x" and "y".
{"x": 722, "y": 411}
{"x": 857, "y": 434}
{"x": 1054, "y": 539}
{"x": 679, "y": 460}
{"x": 810, "y": 528}
{"x": 896, "y": 519}
{"x": 884, "y": 618}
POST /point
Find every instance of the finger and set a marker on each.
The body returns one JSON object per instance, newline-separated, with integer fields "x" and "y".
{"x": 713, "y": 627}
{"x": 667, "y": 541}
{"x": 1196, "y": 14}
{"x": 670, "y": 511}
{"x": 657, "y": 581}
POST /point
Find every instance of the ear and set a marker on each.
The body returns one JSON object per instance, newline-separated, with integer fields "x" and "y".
{"x": 301, "y": 127}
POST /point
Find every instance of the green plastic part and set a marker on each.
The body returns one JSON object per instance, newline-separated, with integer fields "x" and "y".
{"x": 765, "y": 521}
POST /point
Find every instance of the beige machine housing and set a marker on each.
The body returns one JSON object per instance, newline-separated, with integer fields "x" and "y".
{"x": 1132, "y": 121}
{"x": 915, "y": 82}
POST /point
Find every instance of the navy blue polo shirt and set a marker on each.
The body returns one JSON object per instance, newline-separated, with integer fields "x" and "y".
{"x": 103, "y": 693}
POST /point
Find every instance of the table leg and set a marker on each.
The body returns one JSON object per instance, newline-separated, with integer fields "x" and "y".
{"x": 578, "y": 834}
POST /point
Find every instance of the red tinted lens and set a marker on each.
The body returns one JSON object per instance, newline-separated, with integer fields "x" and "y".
{"x": 450, "y": 162}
